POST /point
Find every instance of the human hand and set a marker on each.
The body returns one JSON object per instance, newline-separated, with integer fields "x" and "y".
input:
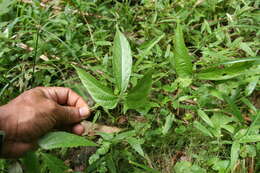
{"x": 37, "y": 111}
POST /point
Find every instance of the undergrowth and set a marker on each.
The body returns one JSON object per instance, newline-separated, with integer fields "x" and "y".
{"x": 190, "y": 97}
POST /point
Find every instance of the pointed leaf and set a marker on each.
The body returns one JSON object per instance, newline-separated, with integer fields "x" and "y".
{"x": 122, "y": 61}
{"x": 249, "y": 139}
{"x": 137, "y": 97}
{"x": 136, "y": 145}
{"x": 181, "y": 60}
{"x": 202, "y": 128}
{"x": 100, "y": 93}
{"x": 205, "y": 118}
{"x": 217, "y": 73}
{"x": 54, "y": 164}
{"x": 234, "y": 154}
{"x": 63, "y": 140}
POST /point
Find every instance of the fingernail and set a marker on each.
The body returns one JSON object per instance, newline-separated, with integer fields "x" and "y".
{"x": 84, "y": 111}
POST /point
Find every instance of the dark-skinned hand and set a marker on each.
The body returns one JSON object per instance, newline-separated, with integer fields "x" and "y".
{"x": 37, "y": 111}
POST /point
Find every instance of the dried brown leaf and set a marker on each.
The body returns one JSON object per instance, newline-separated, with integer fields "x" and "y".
{"x": 91, "y": 129}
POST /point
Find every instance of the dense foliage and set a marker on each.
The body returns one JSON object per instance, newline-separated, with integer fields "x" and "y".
{"x": 181, "y": 77}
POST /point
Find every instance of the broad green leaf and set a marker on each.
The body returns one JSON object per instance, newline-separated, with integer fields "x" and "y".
{"x": 181, "y": 60}
{"x": 137, "y": 97}
{"x": 217, "y": 73}
{"x": 100, "y": 93}
{"x": 168, "y": 124}
{"x": 202, "y": 128}
{"x": 122, "y": 61}
{"x": 31, "y": 162}
{"x": 205, "y": 117}
{"x": 63, "y": 140}
{"x": 136, "y": 145}
{"x": 249, "y": 139}
{"x": 54, "y": 164}
{"x": 234, "y": 154}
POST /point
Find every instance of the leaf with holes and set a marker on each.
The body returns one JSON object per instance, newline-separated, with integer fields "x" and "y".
{"x": 122, "y": 61}
{"x": 100, "y": 93}
{"x": 63, "y": 140}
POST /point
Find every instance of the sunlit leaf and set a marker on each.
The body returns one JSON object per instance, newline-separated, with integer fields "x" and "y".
{"x": 122, "y": 61}
{"x": 100, "y": 93}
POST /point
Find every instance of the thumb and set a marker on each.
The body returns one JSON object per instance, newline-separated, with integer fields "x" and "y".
{"x": 70, "y": 115}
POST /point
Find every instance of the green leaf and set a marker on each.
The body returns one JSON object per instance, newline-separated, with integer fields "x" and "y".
{"x": 54, "y": 164}
{"x": 15, "y": 168}
{"x": 31, "y": 162}
{"x": 63, "y": 140}
{"x": 234, "y": 154}
{"x": 147, "y": 47}
{"x": 122, "y": 61}
{"x": 5, "y": 6}
{"x": 251, "y": 86}
{"x": 181, "y": 60}
{"x": 137, "y": 97}
{"x": 233, "y": 107}
{"x": 168, "y": 124}
{"x": 205, "y": 118}
{"x": 111, "y": 163}
{"x": 249, "y": 139}
{"x": 202, "y": 128}
{"x": 217, "y": 73}
{"x": 136, "y": 145}
{"x": 100, "y": 93}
